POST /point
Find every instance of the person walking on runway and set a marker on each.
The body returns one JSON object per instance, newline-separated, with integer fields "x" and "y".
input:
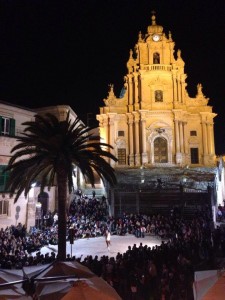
{"x": 107, "y": 239}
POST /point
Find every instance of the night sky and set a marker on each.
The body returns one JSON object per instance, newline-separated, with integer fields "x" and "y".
{"x": 67, "y": 52}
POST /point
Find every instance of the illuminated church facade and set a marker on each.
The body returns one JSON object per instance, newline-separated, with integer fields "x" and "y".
{"x": 163, "y": 138}
{"x": 155, "y": 122}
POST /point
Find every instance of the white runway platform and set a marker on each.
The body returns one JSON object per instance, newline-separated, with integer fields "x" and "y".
{"x": 97, "y": 246}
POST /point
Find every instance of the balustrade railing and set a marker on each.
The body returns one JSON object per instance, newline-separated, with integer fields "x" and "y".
{"x": 157, "y": 67}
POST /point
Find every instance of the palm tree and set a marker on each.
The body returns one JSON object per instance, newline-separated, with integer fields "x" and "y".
{"x": 48, "y": 152}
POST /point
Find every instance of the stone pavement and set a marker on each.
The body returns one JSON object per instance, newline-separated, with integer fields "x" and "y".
{"x": 97, "y": 246}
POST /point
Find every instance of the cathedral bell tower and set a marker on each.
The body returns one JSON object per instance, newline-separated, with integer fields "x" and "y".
{"x": 154, "y": 121}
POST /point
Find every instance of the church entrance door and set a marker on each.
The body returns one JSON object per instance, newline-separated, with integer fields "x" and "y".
{"x": 160, "y": 150}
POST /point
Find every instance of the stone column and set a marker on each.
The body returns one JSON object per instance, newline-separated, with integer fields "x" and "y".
{"x": 141, "y": 78}
{"x": 131, "y": 140}
{"x": 212, "y": 139}
{"x": 143, "y": 138}
{"x": 181, "y": 137}
{"x": 130, "y": 91}
{"x": 185, "y": 137}
{"x": 137, "y": 139}
{"x": 174, "y": 87}
{"x": 112, "y": 135}
{"x": 209, "y": 138}
{"x": 177, "y": 137}
{"x": 183, "y": 84}
{"x": 179, "y": 90}
{"x": 204, "y": 136}
{"x": 178, "y": 143}
{"x": 136, "y": 98}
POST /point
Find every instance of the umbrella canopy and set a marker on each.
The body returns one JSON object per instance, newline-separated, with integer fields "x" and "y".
{"x": 11, "y": 285}
{"x": 53, "y": 290}
{"x": 217, "y": 291}
{"x": 7, "y": 276}
{"x": 63, "y": 269}
{"x": 94, "y": 288}
{"x": 33, "y": 271}
{"x": 54, "y": 281}
{"x": 60, "y": 278}
{"x": 13, "y": 293}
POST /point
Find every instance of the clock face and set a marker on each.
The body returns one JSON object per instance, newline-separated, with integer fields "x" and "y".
{"x": 156, "y": 37}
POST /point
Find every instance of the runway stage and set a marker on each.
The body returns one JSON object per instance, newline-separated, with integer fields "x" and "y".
{"x": 97, "y": 246}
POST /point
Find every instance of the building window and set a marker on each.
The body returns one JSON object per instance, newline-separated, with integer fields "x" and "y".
{"x": 7, "y": 126}
{"x": 158, "y": 96}
{"x": 121, "y": 156}
{"x": 4, "y": 207}
{"x": 160, "y": 150}
{"x": 3, "y": 178}
{"x": 194, "y": 156}
{"x": 193, "y": 133}
{"x": 156, "y": 58}
{"x": 120, "y": 133}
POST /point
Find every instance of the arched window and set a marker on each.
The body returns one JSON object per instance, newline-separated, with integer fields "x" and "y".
{"x": 156, "y": 58}
{"x": 160, "y": 150}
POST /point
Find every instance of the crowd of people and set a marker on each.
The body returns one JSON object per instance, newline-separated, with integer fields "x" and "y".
{"x": 162, "y": 272}
{"x": 221, "y": 213}
{"x": 165, "y": 271}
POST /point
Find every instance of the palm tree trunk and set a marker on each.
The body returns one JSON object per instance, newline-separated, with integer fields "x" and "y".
{"x": 62, "y": 218}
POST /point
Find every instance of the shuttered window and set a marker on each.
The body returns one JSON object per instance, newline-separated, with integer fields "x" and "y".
{"x": 7, "y": 126}
{"x": 4, "y": 207}
{"x": 3, "y": 178}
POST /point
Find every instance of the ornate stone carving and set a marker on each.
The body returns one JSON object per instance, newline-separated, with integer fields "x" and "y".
{"x": 120, "y": 142}
{"x": 111, "y": 100}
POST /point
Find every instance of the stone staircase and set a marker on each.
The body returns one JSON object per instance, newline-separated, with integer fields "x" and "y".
{"x": 161, "y": 202}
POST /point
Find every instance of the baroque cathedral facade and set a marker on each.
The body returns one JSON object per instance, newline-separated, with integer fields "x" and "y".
{"x": 163, "y": 138}
{"x": 154, "y": 121}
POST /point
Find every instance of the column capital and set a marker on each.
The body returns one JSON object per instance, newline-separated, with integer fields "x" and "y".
{"x": 130, "y": 77}
{"x": 136, "y": 117}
